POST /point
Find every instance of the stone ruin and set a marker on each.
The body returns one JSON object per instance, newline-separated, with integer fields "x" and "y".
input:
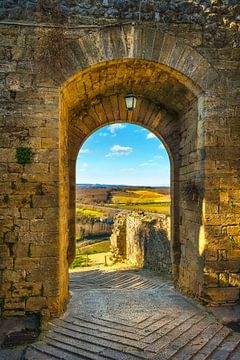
{"x": 143, "y": 240}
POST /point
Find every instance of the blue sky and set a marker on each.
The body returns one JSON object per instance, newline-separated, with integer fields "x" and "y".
{"x": 123, "y": 154}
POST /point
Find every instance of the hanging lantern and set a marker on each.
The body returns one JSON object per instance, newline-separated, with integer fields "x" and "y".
{"x": 130, "y": 101}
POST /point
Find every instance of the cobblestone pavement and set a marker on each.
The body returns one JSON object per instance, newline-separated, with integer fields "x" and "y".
{"x": 127, "y": 315}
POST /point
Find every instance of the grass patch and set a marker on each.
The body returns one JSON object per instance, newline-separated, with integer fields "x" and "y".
{"x": 79, "y": 261}
{"x": 99, "y": 247}
{"x": 82, "y": 257}
{"x": 89, "y": 212}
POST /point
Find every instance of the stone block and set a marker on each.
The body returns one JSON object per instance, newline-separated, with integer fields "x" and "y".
{"x": 222, "y": 255}
{"x": 233, "y": 230}
{"x": 32, "y": 213}
{"x": 21, "y": 250}
{"x": 222, "y": 295}
{"x": 13, "y": 313}
{"x": 49, "y": 143}
{"x": 14, "y": 276}
{"x": 221, "y": 266}
{"x": 14, "y": 304}
{"x": 36, "y": 168}
{"x": 6, "y": 263}
{"x": 42, "y": 225}
{"x": 44, "y": 251}
{"x": 36, "y": 303}
{"x": 27, "y": 265}
{"x": 234, "y": 279}
{"x": 45, "y": 201}
{"x": 22, "y": 225}
{"x": 210, "y": 255}
{"x": 210, "y": 280}
{"x": 234, "y": 255}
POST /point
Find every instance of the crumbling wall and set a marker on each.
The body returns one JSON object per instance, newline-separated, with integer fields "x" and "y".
{"x": 118, "y": 237}
{"x": 143, "y": 240}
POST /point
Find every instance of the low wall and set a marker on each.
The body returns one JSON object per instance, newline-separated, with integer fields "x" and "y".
{"x": 96, "y": 229}
{"x": 143, "y": 240}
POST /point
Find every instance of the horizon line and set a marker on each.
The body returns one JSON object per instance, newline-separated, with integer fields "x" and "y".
{"x": 122, "y": 185}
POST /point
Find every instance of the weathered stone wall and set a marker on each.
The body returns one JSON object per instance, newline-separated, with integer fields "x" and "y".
{"x": 94, "y": 229}
{"x": 118, "y": 237}
{"x": 202, "y": 12}
{"x": 143, "y": 240}
{"x": 186, "y": 75}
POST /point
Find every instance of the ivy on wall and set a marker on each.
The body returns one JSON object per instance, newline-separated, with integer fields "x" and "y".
{"x": 24, "y": 155}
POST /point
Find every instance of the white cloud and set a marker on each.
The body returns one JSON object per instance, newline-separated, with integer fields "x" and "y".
{"x": 118, "y": 150}
{"x": 115, "y": 127}
{"x": 161, "y": 146}
{"x": 158, "y": 157}
{"x": 150, "y": 136}
{"x": 84, "y": 151}
{"x": 103, "y": 134}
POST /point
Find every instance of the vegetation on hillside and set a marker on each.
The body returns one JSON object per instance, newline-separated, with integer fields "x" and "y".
{"x": 89, "y": 212}
{"x": 83, "y": 254}
{"x": 123, "y": 197}
{"x": 144, "y": 200}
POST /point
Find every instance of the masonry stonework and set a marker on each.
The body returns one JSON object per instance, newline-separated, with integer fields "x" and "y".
{"x": 143, "y": 240}
{"x": 64, "y": 72}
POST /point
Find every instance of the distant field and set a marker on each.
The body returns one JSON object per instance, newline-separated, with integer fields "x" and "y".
{"x": 89, "y": 212}
{"x": 145, "y": 200}
{"x": 161, "y": 208}
{"x": 124, "y": 197}
{"x": 139, "y": 197}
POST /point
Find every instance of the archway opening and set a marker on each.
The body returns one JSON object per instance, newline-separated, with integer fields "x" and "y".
{"x": 170, "y": 106}
{"x": 123, "y": 200}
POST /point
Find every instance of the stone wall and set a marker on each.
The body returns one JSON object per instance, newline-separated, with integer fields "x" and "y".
{"x": 143, "y": 240}
{"x": 94, "y": 229}
{"x": 118, "y": 237}
{"x": 60, "y": 81}
{"x": 201, "y": 12}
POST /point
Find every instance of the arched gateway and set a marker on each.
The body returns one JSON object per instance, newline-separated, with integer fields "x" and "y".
{"x": 177, "y": 95}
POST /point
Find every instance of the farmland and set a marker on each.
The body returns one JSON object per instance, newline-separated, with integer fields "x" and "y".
{"x": 98, "y": 201}
{"x": 143, "y": 200}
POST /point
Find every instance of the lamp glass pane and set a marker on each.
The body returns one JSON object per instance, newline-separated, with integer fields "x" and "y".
{"x": 134, "y": 102}
{"x": 129, "y": 102}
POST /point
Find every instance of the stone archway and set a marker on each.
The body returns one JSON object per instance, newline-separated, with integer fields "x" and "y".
{"x": 184, "y": 101}
{"x": 168, "y": 105}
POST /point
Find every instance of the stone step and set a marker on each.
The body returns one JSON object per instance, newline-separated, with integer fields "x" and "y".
{"x": 174, "y": 329}
{"x": 165, "y": 339}
{"x": 228, "y": 345}
{"x": 193, "y": 346}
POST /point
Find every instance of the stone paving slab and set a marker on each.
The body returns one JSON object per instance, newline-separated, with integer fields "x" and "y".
{"x": 130, "y": 315}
